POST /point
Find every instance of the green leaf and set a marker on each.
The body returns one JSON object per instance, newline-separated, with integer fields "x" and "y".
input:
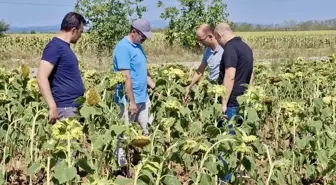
{"x": 260, "y": 183}
{"x": 212, "y": 131}
{"x": 178, "y": 127}
{"x": 206, "y": 179}
{"x": 85, "y": 166}
{"x": 311, "y": 170}
{"x": 331, "y": 166}
{"x": 98, "y": 142}
{"x": 281, "y": 177}
{"x": 332, "y": 152}
{"x": 249, "y": 164}
{"x": 87, "y": 111}
{"x": 81, "y": 100}
{"x": 242, "y": 99}
{"x": 63, "y": 173}
{"x": 152, "y": 167}
{"x": 252, "y": 115}
{"x": 48, "y": 146}
{"x": 170, "y": 178}
{"x": 33, "y": 169}
{"x": 222, "y": 137}
{"x": 108, "y": 136}
{"x": 184, "y": 111}
{"x": 147, "y": 173}
{"x": 316, "y": 124}
{"x": 211, "y": 166}
{"x": 301, "y": 143}
{"x": 2, "y": 180}
{"x": 117, "y": 129}
{"x": 123, "y": 181}
{"x": 195, "y": 128}
{"x": 322, "y": 157}
{"x": 180, "y": 88}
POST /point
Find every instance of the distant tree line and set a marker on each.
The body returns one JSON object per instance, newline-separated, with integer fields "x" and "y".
{"x": 3, "y": 27}
{"x": 288, "y": 26}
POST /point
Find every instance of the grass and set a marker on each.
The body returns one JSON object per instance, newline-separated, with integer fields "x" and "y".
{"x": 266, "y": 46}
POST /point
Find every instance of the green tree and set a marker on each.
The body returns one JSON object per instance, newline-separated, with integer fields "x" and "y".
{"x": 3, "y": 27}
{"x": 109, "y": 20}
{"x": 191, "y": 13}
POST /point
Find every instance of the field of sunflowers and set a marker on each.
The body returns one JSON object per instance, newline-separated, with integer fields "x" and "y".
{"x": 287, "y": 136}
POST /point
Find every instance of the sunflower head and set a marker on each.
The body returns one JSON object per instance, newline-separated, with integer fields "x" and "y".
{"x": 25, "y": 70}
{"x": 92, "y": 97}
{"x": 70, "y": 126}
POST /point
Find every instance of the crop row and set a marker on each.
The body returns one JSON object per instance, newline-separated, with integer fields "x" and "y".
{"x": 35, "y": 43}
{"x": 287, "y": 135}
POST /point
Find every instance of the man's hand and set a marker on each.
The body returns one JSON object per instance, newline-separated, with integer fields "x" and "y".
{"x": 53, "y": 115}
{"x": 199, "y": 72}
{"x": 132, "y": 108}
{"x": 185, "y": 97}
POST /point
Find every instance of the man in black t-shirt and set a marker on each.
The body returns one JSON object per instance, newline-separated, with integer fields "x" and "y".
{"x": 236, "y": 68}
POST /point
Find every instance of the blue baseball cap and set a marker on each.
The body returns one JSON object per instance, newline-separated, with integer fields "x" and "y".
{"x": 143, "y": 26}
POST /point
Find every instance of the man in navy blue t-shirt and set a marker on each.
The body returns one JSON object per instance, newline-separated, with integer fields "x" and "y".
{"x": 58, "y": 76}
{"x": 236, "y": 68}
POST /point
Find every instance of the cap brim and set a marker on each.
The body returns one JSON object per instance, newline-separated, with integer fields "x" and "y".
{"x": 148, "y": 34}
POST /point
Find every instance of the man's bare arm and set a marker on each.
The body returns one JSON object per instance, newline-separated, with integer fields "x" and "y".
{"x": 199, "y": 72}
{"x": 128, "y": 84}
{"x": 228, "y": 82}
{"x": 150, "y": 81}
{"x": 44, "y": 71}
{"x": 251, "y": 80}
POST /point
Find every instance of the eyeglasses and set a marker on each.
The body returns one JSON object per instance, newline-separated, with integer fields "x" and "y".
{"x": 141, "y": 34}
{"x": 203, "y": 38}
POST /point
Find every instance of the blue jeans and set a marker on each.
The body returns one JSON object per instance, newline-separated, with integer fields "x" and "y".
{"x": 230, "y": 113}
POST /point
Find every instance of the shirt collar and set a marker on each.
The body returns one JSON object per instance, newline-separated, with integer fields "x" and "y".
{"x": 216, "y": 50}
{"x": 133, "y": 44}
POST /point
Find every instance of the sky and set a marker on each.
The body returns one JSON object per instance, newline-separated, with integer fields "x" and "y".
{"x": 23, "y": 13}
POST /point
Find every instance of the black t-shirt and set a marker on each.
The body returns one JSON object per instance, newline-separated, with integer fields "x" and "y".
{"x": 239, "y": 55}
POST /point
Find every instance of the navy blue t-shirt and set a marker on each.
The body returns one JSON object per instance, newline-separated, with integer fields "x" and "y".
{"x": 239, "y": 55}
{"x": 65, "y": 80}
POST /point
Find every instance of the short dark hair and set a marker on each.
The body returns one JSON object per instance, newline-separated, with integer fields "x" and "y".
{"x": 72, "y": 20}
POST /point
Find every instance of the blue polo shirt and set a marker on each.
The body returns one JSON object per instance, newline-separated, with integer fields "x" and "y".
{"x": 213, "y": 58}
{"x": 128, "y": 55}
{"x": 65, "y": 80}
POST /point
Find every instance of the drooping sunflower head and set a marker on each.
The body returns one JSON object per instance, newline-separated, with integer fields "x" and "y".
{"x": 218, "y": 90}
{"x": 4, "y": 99}
{"x": 172, "y": 104}
{"x": 116, "y": 78}
{"x": 193, "y": 147}
{"x": 25, "y": 70}
{"x": 140, "y": 141}
{"x": 62, "y": 128}
{"x": 32, "y": 85}
{"x": 92, "y": 97}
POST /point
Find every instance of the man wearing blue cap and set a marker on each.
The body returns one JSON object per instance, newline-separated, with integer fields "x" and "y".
{"x": 130, "y": 59}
